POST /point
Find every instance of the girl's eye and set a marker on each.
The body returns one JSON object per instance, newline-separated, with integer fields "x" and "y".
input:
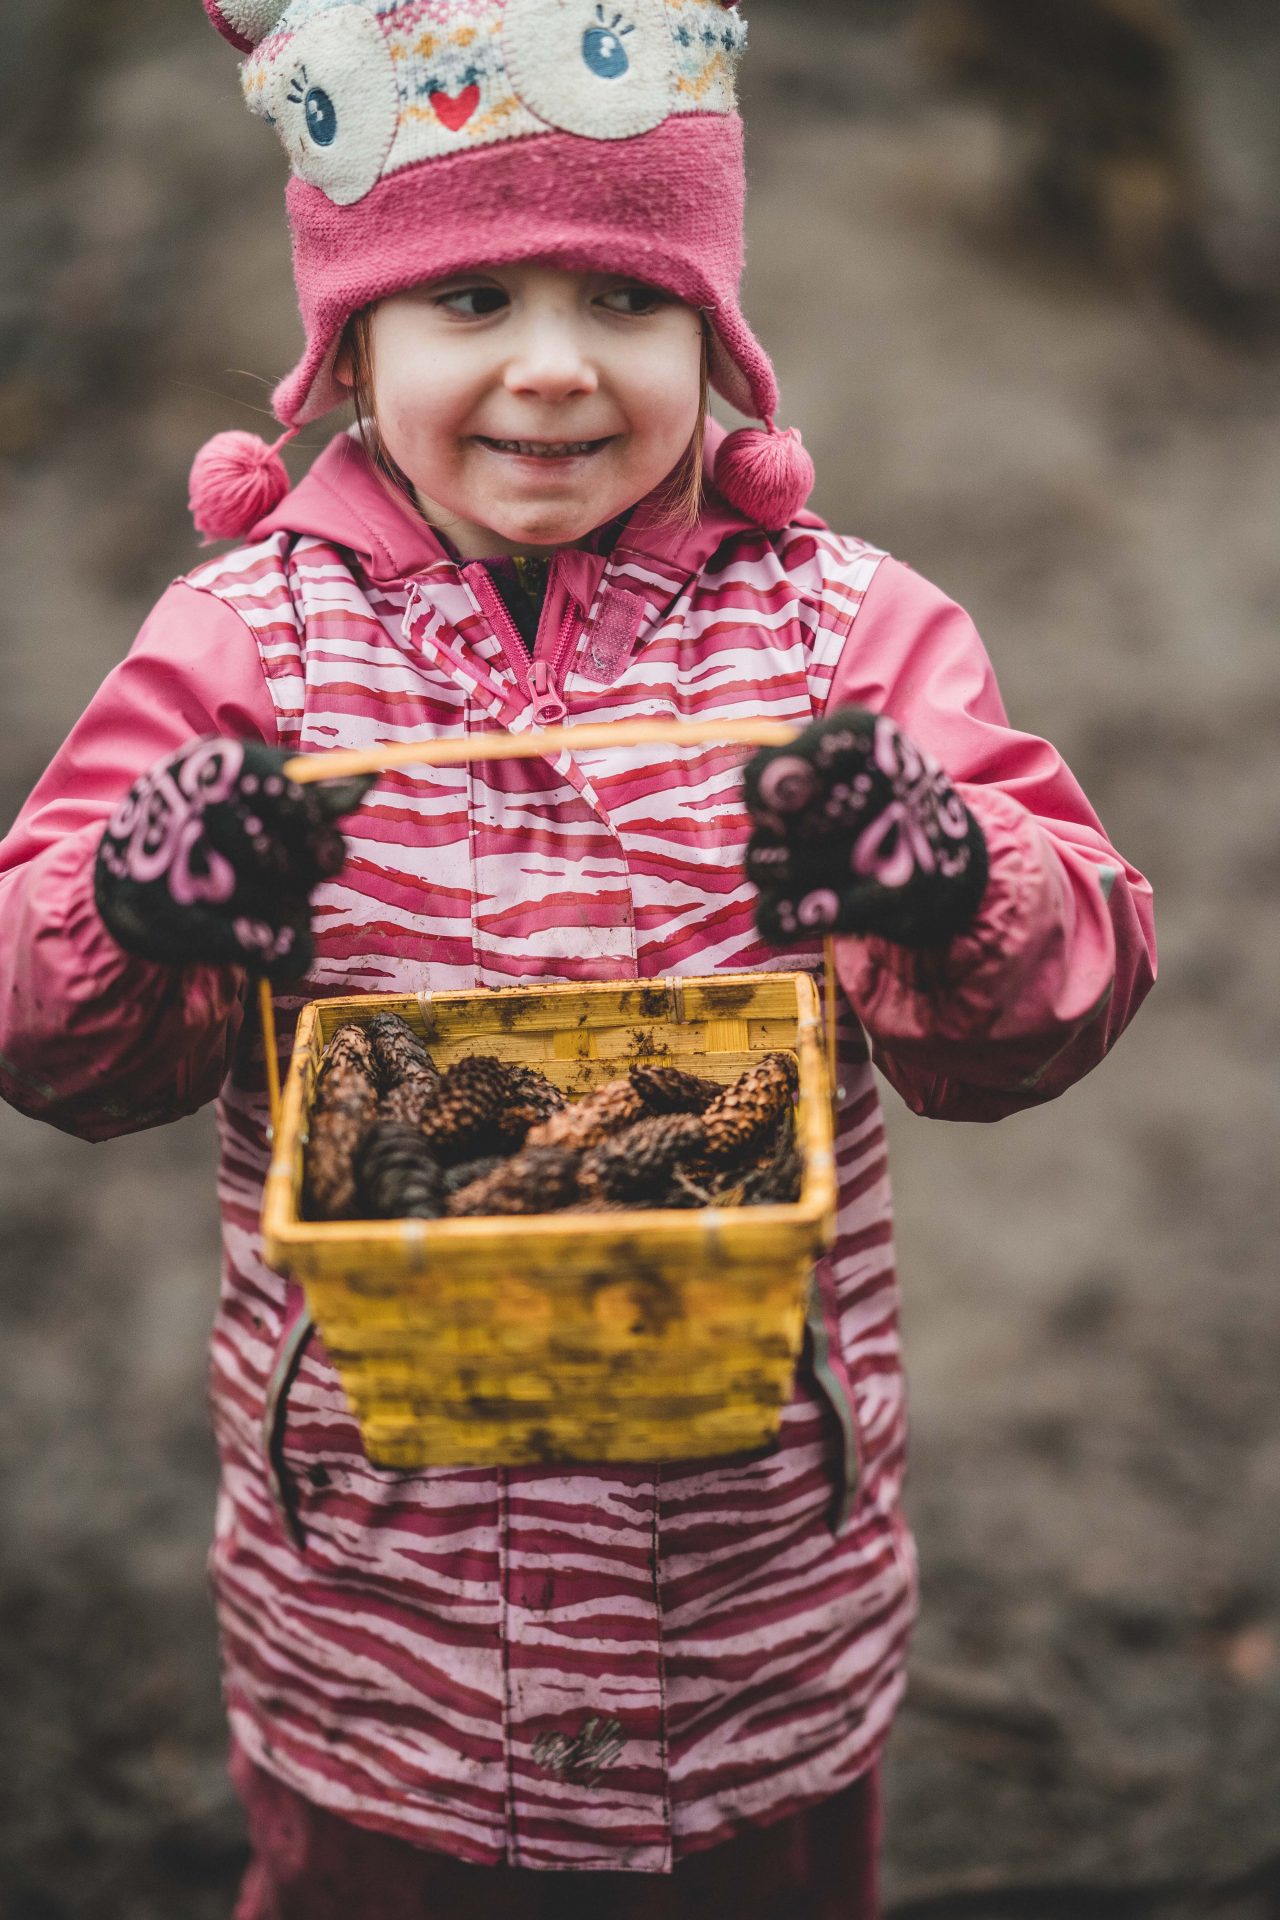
{"x": 473, "y": 303}
{"x": 635, "y": 300}
{"x": 479, "y": 302}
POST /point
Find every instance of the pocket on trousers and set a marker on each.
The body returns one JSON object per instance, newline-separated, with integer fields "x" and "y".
{"x": 347, "y": 1517}
{"x": 834, "y": 1389}
{"x": 296, "y": 1335}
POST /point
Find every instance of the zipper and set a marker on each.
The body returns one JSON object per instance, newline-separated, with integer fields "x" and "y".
{"x": 539, "y": 677}
{"x": 500, "y": 620}
{"x": 548, "y": 707}
{"x": 545, "y": 674}
{"x": 566, "y": 640}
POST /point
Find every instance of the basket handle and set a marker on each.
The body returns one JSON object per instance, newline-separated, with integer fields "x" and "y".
{"x": 538, "y": 743}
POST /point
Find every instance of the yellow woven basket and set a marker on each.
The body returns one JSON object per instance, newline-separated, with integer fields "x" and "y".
{"x": 643, "y": 1336}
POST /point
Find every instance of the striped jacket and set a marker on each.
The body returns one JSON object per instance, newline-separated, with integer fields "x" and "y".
{"x": 559, "y": 1668}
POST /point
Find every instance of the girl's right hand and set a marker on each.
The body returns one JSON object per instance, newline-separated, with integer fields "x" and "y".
{"x": 211, "y": 858}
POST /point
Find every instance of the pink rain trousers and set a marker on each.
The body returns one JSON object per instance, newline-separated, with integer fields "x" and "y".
{"x": 309, "y": 1864}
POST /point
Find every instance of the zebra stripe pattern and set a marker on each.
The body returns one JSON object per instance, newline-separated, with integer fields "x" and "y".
{"x": 557, "y": 1668}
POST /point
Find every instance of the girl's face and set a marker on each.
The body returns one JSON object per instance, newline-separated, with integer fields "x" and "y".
{"x": 528, "y": 405}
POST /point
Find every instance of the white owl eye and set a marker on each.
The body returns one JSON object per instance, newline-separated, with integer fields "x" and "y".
{"x": 605, "y": 68}
{"x": 331, "y": 93}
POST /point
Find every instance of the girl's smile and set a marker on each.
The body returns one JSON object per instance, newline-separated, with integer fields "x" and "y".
{"x": 546, "y": 449}
{"x": 527, "y": 405}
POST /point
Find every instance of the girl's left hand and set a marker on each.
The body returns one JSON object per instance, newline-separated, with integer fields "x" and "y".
{"x": 856, "y": 830}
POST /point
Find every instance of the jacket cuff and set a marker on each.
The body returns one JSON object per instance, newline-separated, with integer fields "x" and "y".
{"x": 97, "y": 1039}
{"x": 973, "y": 986}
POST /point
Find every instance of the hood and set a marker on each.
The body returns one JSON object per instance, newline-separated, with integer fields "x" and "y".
{"x": 343, "y": 499}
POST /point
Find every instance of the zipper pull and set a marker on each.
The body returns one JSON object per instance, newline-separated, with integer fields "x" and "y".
{"x": 548, "y": 708}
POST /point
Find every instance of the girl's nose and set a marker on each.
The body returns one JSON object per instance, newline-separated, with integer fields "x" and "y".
{"x": 550, "y": 364}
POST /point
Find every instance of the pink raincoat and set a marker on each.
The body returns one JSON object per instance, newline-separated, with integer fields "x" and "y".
{"x": 575, "y": 1668}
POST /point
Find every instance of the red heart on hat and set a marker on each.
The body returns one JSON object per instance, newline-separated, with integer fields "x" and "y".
{"x": 455, "y": 109}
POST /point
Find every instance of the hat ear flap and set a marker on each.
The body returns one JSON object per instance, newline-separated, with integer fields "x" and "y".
{"x": 245, "y": 22}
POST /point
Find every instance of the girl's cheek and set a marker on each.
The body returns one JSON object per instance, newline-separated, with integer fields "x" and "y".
{"x": 397, "y": 433}
{"x": 414, "y": 422}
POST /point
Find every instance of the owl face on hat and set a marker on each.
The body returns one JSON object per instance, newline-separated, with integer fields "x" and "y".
{"x": 359, "y": 90}
{"x": 429, "y": 137}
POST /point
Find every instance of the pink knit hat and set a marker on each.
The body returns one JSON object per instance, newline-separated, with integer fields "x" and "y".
{"x": 429, "y": 136}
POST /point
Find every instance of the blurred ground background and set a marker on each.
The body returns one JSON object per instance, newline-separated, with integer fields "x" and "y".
{"x": 1019, "y": 263}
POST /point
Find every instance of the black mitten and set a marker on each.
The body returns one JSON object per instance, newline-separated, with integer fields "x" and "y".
{"x": 857, "y": 831}
{"x": 212, "y": 855}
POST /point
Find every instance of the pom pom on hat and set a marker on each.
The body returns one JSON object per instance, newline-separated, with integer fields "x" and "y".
{"x": 765, "y": 474}
{"x": 236, "y": 478}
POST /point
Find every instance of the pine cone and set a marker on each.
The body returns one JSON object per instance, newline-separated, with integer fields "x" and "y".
{"x": 337, "y": 1133}
{"x": 410, "y": 1100}
{"x": 468, "y": 1170}
{"x": 539, "y": 1180}
{"x": 348, "y": 1054}
{"x": 343, "y": 1110}
{"x": 740, "y": 1120}
{"x": 638, "y": 1164}
{"x": 530, "y": 1088}
{"x": 399, "y": 1177}
{"x": 471, "y": 1094}
{"x": 343, "y": 1084}
{"x": 512, "y": 1126}
{"x": 777, "y": 1181}
{"x": 532, "y": 1099}
{"x": 592, "y": 1119}
{"x": 398, "y": 1053}
{"x": 669, "y": 1090}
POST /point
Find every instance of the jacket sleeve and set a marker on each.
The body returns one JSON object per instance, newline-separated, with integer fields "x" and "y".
{"x": 1063, "y": 951}
{"x": 94, "y": 1040}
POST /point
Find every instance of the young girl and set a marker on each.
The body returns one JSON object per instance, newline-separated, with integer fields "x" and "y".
{"x": 518, "y": 236}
